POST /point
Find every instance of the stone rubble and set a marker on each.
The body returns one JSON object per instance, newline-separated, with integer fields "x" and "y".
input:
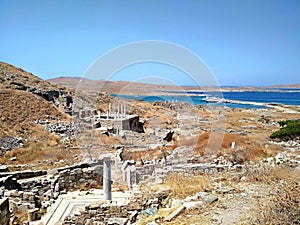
{"x": 9, "y": 143}
{"x": 63, "y": 130}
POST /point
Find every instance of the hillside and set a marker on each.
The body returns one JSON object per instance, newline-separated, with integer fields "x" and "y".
{"x": 27, "y": 103}
{"x": 16, "y": 78}
{"x": 19, "y": 110}
{"x": 112, "y": 87}
{"x": 136, "y": 88}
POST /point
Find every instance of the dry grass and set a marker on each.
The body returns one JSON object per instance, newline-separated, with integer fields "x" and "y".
{"x": 19, "y": 217}
{"x": 183, "y": 185}
{"x": 246, "y": 149}
{"x": 283, "y": 205}
{"x": 267, "y": 174}
{"x": 19, "y": 111}
{"x": 33, "y": 155}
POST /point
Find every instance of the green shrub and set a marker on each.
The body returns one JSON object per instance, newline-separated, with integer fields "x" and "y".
{"x": 290, "y": 129}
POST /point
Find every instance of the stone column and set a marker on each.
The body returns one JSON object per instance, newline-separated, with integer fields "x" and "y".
{"x": 107, "y": 176}
{"x": 121, "y": 111}
{"x": 118, "y": 112}
{"x": 109, "y": 109}
{"x": 124, "y": 109}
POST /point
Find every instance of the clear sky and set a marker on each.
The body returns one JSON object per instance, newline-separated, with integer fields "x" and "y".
{"x": 248, "y": 42}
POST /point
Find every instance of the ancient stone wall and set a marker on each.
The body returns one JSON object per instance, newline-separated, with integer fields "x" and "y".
{"x": 129, "y": 123}
{"x": 80, "y": 178}
{"x": 40, "y": 192}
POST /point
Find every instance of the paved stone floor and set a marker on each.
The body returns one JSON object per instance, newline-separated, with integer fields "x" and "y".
{"x": 73, "y": 202}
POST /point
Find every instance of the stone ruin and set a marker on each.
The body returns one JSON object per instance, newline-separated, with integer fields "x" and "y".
{"x": 33, "y": 190}
{"x": 114, "y": 120}
{"x": 30, "y": 190}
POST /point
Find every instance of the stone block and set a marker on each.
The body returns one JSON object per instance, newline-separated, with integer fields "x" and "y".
{"x": 175, "y": 213}
{"x": 117, "y": 221}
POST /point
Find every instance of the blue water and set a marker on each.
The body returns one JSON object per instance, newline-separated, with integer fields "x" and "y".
{"x": 287, "y": 98}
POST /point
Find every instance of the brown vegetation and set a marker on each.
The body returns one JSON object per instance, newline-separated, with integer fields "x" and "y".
{"x": 19, "y": 110}
{"x": 283, "y": 205}
{"x": 184, "y": 185}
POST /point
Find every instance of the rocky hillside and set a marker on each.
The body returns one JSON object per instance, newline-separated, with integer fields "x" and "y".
{"x": 26, "y": 102}
{"x": 16, "y": 78}
{"x": 20, "y": 110}
{"x": 12, "y": 77}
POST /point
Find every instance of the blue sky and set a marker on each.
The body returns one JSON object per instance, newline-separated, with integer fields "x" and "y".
{"x": 250, "y": 42}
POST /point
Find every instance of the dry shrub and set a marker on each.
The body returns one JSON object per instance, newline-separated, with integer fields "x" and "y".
{"x": 282, "y": 208}
{"x": 95, "y": 185}
{"x": 19, "y": 217}
{"x": 257, "y": 154}
{"x": 267, "y": 174}
{"x": 282, "y": 205}
{"x": 186, "y": 141}
{"x": 246, "y": 148}
{"x": 60, "y": 156}
{"x": 241, "y": 155}
{"x": 183, "y": 185}
{"x": 198, "y": 150}
{"x": 34, "y": 153}
{"x": 120, "y": 186}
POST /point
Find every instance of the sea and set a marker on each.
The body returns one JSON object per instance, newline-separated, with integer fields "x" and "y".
{"x": 286, "y": 96}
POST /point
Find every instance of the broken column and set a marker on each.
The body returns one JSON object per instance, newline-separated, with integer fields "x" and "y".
{"x": 106, "y": 176}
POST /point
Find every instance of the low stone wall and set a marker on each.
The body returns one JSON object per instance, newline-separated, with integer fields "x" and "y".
{"x": 41, "y": 192}
{"x": 24, "y": 174}
{"x": 4, "y": 212}
{"x": 80, "y": 178}
{"x": 105, "y": 212}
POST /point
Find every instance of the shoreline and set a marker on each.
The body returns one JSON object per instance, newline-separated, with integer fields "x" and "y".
{"x": 274, "y": 105}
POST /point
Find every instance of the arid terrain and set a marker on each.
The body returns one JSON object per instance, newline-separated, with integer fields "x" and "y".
{"x": 124, "y": 87}
{"x": 196, "y": 164}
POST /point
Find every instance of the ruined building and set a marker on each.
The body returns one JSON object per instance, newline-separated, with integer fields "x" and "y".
{"x": 113, "y": 120}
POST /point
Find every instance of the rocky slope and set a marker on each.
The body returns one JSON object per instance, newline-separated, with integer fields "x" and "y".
{"x": 15, "y": 78}
{"x": 26, "y": 101}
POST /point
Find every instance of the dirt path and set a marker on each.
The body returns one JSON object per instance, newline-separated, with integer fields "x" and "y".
{"x": 234, "y": 207}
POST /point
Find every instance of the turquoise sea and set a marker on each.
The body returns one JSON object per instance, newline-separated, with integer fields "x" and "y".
{"x": 278, "y": 96}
